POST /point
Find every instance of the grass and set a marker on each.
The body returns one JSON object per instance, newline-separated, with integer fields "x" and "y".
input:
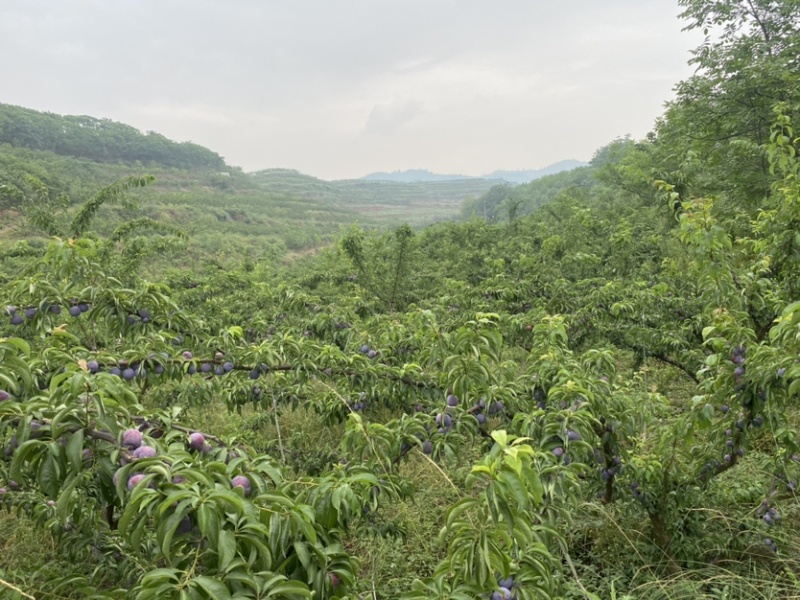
{"x": 28, "y": 555}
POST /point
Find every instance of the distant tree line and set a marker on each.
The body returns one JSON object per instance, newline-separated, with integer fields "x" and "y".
{"x": 100, "y": 140}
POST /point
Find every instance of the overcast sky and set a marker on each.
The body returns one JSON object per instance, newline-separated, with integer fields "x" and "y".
{"x": 342, "y": 88}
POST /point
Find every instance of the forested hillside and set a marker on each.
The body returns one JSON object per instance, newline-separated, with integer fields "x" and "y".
{"x": 586, "y": 389}
{"x": 100, "y": 140}
{"x": 509, "y": 202}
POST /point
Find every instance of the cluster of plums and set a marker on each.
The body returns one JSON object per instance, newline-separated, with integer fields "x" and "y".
{"x": 258, "y": 371}
{"x": 206, "y": 367}
{"x": 709, "y": 467}
{"x": 359, "y": 404}
{"x": 769, "y": 514}
{"x": 76, "y": 309}
{"x": 129, "y": 370}
{"x": 560, "y": 452}
{"x": 18, "y": 315}
{"x": 609, "y": 471}
{"x": 12, "y": 486}
{"x": 638, "y": 494}
{"x": 142, "y": 315}
{"x": 367, "y": 351}
{"x": 504, "y": 589}
{"x": 444, "y": 420}
{"x": 480, "y": 409}
{"x": 729, "y": 442}
{"x": 133, "y": 440}
{"x": 125, "y": 369}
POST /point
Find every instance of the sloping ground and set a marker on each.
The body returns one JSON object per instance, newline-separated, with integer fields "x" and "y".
{"x": 228, "y": 217}
{"x": 387, "y": 202}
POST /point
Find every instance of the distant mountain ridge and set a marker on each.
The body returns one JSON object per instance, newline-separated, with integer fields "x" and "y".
{"x": 414, "y": 176}
{"x": 528, "y": 175}
{"x": 521, "y": 176}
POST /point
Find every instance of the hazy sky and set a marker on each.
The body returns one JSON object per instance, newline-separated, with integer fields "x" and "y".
{"x": 341, "y": 88}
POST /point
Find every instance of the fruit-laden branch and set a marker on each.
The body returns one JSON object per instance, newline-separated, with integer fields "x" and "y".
{"x": 264, "y": 369}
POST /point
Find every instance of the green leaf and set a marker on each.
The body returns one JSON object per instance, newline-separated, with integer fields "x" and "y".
{"x": 226, "y": 548}
{"x": 75, "y": 450}
{"x": 212, "y": 587}
{"x": 501, "y": 437}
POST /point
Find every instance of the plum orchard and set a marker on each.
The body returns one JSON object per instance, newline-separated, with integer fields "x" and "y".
{"x": 166, "y": 511}
{"x": 177, "y": 510}
{"x": 159, "y": 509}
{"x": 171, "y": 511}
{"x": 174, "y": 511}
{"x": 181, "y": 510}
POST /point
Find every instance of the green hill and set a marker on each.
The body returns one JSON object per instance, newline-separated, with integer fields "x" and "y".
{"x": 227, "y": 216}
{"x": 389, "y": 202}
{"x": 50, "y": 164}
{"x": 99, "y": 140}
